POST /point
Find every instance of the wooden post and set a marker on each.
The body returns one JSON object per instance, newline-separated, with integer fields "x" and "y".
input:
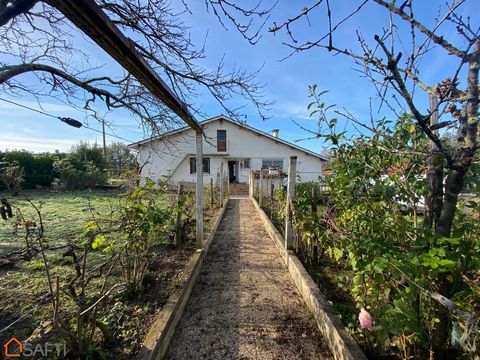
{"x": 199, "y": 190}
{"x": 253, "y": 184}
{"x": 211, "y": 192}
{"x": 178, "y": 223}
{"x": 260, "y": 189}
{"x": 221, "y": 184}
{"x": 292, "y": 173}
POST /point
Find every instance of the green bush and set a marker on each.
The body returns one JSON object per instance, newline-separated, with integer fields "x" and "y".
{"x": 87, "y": 176}
{"x": 84, "y": 153}
{"x": 84, "y": 167}
{"x": 37, "y": 168}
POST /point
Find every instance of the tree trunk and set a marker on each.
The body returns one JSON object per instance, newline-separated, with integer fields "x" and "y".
{"x": 434, "y": 196}
{"x": 465, "y": 147}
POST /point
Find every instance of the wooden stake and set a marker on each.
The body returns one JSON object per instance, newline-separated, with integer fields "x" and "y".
{"x": 211, "y": 192}
{"x": 222, "y": 183}
{"x": 178, "y": 222}
{"x": 199, "y": 190}
{"x": 292, "y": 173}
{"x": 260, "y": 189}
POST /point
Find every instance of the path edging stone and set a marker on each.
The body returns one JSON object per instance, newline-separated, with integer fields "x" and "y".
{"x": 161, "y": 332}
{"x": 341, "y": 344}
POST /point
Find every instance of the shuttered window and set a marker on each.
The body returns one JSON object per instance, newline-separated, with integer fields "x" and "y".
{"x": 221, "y": 140}
{"x": 272, "y": 163}
{"x": 193, "y": 165}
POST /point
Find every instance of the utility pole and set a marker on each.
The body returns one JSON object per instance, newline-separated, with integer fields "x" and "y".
{"x": 104, "y": 142}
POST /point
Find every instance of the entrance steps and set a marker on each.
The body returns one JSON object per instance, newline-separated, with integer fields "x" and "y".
{"x": 239, "y": 189}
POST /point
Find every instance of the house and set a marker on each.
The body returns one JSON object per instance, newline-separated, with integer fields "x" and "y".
{"x": 234, "y": 147}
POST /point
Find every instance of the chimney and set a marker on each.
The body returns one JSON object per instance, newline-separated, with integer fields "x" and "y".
{"x": 275, "y": 133}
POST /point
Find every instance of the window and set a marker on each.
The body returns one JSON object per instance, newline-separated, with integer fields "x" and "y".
{"x": 221, "y": 140}
{"x": 193, "y": 165}
{"x": 246, "y": 163}
{"x": 272, "y": 163}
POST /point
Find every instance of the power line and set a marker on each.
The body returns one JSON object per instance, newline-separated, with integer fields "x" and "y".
{"x": 63, "y": 119}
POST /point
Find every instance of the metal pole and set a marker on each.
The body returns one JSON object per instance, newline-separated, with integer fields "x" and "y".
{"x": 292, "y": 173}
{"x": 199, "y": 190}
{"x": 104, "y": 142}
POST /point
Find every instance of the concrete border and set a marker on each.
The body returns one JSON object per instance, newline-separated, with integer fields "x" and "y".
{"x": 161, "y": 332}
{"x": 341, "y": 344}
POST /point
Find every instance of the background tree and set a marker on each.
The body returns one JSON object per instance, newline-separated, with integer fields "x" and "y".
{"x": 119, "y": 157}
{"x": 84, "y": 152}
{"x": 42, "y": 56}
{"x": 84, "y": 167}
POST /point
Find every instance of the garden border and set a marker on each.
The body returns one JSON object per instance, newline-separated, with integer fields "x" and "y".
{"x": 161, "y": 332}
{"x": 341, "y": 344}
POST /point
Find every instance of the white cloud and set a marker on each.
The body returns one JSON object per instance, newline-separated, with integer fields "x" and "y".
{"x": 291, "y": 109}
{"x": 29, "y": 130}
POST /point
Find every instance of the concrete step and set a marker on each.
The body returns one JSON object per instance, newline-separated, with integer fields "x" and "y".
{"x": 239, "y": 189}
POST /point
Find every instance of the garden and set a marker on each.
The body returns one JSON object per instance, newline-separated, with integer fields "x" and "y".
{"x": 363, "y": 235}
{"x": 90, "y": 268}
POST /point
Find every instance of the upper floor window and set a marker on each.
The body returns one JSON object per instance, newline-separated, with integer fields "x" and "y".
{"x": 272, "y": 163}
{"x": 206, "y": 165}
{"x": 221, "y": 140}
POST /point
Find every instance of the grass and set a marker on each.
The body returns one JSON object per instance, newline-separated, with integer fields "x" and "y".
{"x": 64, "y": 214}
{"x": 24, "y": 286}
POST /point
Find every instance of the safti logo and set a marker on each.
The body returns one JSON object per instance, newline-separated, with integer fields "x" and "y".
{"x": 15, "y": 348}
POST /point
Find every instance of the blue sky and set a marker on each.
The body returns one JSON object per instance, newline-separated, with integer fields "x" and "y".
{"x": 286, "y": 81}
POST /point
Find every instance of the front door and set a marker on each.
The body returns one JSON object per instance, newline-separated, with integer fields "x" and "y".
{"x": 232, "y": 171}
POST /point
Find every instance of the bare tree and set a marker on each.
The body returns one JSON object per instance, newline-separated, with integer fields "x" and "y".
{"x": 41, "y": 55}
{"x": 392, "y": 62}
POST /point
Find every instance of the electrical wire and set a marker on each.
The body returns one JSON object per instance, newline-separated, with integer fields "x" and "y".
{"x": 60, "y": 118}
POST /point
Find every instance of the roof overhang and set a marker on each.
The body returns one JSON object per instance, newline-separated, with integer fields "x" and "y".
{"x": 141, "y": 143}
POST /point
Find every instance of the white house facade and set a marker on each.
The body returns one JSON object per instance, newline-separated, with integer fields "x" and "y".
{"x": 236, "y": 148}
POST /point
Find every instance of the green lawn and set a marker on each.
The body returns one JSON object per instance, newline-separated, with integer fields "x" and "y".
{"x": 23, "y": 285}
{"x": 64, "y": 214}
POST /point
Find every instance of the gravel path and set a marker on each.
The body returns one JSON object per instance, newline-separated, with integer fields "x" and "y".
{"x": 244, "y": 304}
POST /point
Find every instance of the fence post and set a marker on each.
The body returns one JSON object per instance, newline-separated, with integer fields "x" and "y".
{"x": 221, "y": 184}
{"x": 178, "y": 222}
{"x": 250, "y": 183}
{"x": 314, "y": 200}
{"x": 211, "y": 192}
{"x": 227, "y": 181}
{"x": 292, "y": 173}
{"x": 199, "y": 190}
{"x": 260, "y": 189}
